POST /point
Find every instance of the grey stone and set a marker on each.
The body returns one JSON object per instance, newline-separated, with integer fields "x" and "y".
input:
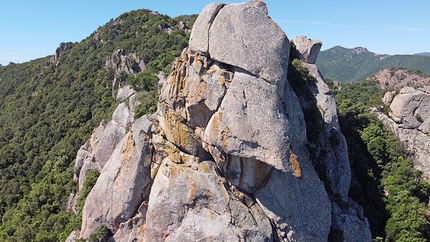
{"x": 235, "y": 38}
{"x": 227, "y": 146}
{"x": 122, "y": 116}
{"x": 199, "y": 38}
{"x": 307, "y": 49}
{"x": 334, "y": 154}
{"x": 112, "y": 135}
{"x": 388, "y": 98}
{"x": 425, "y": 126}
{"x": 252, "y": 123}
{"x": 410, "y": 122}
{"x": 124, "y": 93}
{"x": 302, "y": 214}
{"x": 416, "y": 140}
{"x": 405, "y": 103}
{"x": 122, "y": 186}
{"x": 354, "y": 228}
{"x": 184, "y": 201}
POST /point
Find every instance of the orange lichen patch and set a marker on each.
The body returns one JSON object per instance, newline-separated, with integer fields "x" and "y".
{"x": 178, "y": 76}
{"x": 175, "y": 157}
{"x": 179, "y": 133}
{"x": 220, "y": 131}
{"x": 128, "y": 149}
{"x": 256, "y": 2}
{"x": 295, "y": 164}
{"x": 203, "y": 167}
{"x": 192, "y": 189}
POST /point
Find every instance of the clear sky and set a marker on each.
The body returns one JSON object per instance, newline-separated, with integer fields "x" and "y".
{"x": 30, "y": 29}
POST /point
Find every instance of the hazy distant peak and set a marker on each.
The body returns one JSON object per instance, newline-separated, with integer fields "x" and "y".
{"x": 424, "y": 54}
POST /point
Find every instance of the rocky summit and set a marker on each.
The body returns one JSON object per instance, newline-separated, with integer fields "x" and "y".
{"x": 236, "y": 151}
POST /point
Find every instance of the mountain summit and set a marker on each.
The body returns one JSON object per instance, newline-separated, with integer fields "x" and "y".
{"x": 245, "y": 145}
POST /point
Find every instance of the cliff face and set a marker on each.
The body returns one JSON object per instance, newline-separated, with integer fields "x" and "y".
{"x": 409, "y": 119}
{"x": 232, "y": 152}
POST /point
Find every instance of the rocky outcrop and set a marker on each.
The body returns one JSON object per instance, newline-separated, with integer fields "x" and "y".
{"x": 95, "y": 153}
{"x": 409, "y": 119}
{"x": 123, "y": 64}
{"x": 396, "y": 79}
{"x": 326, "y": 143}
{"x": 307, "y": 49}
{"x": 227, "y": 156}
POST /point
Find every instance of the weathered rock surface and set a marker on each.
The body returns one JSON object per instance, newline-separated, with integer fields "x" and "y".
{"x": 307, "y": 49}
{"x": 396, "y": 79}
{"x": 332, "y": 155}
{"x": 235, "y": 38}
{"x": 121, "y": 62}
{"x": 226, "y": 156}
{"x": 409, "y": 119}
{"x": 328, "y": 150}
{"x": 407, "y": 103}
{"x": 123, "y": 183}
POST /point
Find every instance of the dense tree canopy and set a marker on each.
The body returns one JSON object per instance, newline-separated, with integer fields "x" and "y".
{"x": 384, "y": 182}
{"x": 49, "y": 106}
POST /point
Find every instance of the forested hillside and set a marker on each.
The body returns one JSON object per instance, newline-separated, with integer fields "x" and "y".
{"x": 352, "y": 65}
{"x": 384, "y": 182}
{"x": 49, "y": 106}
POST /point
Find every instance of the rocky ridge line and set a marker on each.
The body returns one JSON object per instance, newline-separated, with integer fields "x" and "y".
{"x": 228, "y": 146}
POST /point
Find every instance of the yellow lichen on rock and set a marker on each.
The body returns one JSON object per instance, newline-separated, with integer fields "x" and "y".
{"x": 179, "y": 133}
{"x": 219, "y": 130}
{"x": 128, "y": 149}
{"x": 295, "y": 164}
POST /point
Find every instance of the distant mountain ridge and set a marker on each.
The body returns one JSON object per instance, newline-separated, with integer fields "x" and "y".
{"x": 351, "y": 65}
{"x": 423, "y": 54}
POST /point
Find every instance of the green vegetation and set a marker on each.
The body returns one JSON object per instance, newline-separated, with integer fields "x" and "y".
{"x": 384, "y": 182}
{"x": 346, "y": 65}
{"x": 48, "y": 108}
{"x": 102, "y": 234}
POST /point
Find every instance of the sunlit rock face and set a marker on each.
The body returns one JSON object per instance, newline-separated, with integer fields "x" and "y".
{"x": 409, "y": 119}
{"x": 226, "y": 156}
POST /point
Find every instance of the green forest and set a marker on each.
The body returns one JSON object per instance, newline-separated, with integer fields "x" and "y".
{"x": 383, "y": 181}
{"x": 48, "y": 109}
{"x": 350, "y": 65}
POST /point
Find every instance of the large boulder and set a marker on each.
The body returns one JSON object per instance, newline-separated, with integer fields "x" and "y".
{"x": 199, "y": 38}
{"x": 409, "y": 120}
{"x": 307, "y": 49}
{"x": 406, "y": 102}
{"x": 235, "y": 38}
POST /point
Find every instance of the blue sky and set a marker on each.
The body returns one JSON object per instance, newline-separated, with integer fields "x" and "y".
{"x": 31, "y": 29}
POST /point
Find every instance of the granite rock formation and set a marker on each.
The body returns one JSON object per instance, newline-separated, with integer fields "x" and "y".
{"x": 227, "y": 155}
{"x": 409, "y": 119}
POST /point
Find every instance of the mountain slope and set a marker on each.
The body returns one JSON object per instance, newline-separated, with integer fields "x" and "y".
{"x": 351, "y": 65}
{"x": 49, "y": 106}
